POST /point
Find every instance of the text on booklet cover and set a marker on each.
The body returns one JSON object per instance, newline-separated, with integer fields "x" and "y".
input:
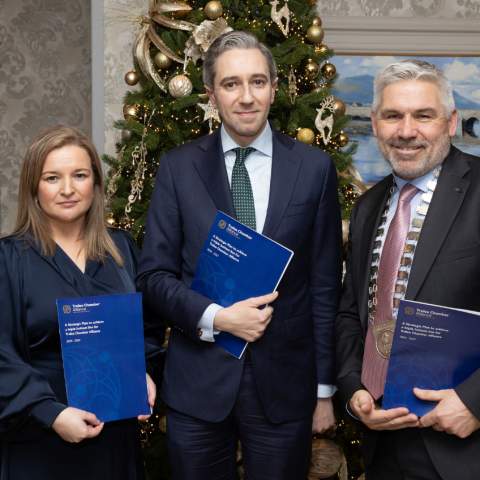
{"x": 237, "y": 263}
{"x": 103, "y": 354}
{"x": 434, "y": 347}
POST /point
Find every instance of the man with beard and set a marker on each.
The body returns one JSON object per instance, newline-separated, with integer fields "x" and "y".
{"x": 414, "y": 235}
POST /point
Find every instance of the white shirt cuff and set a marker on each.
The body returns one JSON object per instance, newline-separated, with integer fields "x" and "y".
{"x": 205, "y": 325}
{"x": 325, "y": 391}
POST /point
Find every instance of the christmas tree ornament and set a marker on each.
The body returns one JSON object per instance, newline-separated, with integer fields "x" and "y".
{"x": 148, "y": 33}
{"x": 141, "y": 52}
{"x": 306, "y": 135}
{"x": 315, "y": 34}
{"x": 339, "y": 108}
{"x": 342, "y": 139}
{"x": 311, "y": 69}
{"x": 130, "y": 111}
{"x": 162, "y": 13}
{"x": 321, "y": 49}
{"x": 162, "y": 61}
{"x": 132, "y": 77}
{"x": 180, "y": 86}
{"x": 213, "y": 9}
{"x": 110, "y": 219}
{"x": 324, "y": 119}
{"x": 317, "y": 21}
{"x": 202, "y": 37}
{"x": 281, "y": 16}
{"x": 139, "y": 165}
{"x": 312, "y": 2}
{"x": 328, "y": 70}
{"x": 126, "y": 135}
{"x": 183, "y": 12}
{"x": 292, "y": 86}
{"x": 114, "y": 174}
{"x": 154, "y": 38}
{"x": 210, "y": 113}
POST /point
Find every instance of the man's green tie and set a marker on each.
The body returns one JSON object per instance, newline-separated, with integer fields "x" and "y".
{"x": 242, "y": 189}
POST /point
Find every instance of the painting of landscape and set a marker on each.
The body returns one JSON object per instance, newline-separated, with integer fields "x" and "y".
{"x": 355, "y": 87}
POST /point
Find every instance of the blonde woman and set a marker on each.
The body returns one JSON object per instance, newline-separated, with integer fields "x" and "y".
{"x": 60, "y": 248}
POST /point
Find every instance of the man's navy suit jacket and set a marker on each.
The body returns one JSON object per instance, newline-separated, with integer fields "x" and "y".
{"x": 297, "y": 349}
{"x": 445, "y": 271}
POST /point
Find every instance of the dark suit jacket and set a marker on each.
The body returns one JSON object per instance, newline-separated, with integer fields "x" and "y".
{"x": 297, "y": 349}
{"x": 445, "y": 271}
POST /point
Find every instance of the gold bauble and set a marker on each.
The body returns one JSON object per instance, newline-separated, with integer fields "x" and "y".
{"x": 132, "y": 77}
{"x": 110, "y": 219}
{"x": 213, "y": 9}
{"x": 162, "y": 61}
{"x": 321, "y": 49}
{"x": 130, "y": 111}
{"x": 311, "y": 69}
{"x": 180, "y": 86}
{"x": 328, "y": 70}
{"x": 342, "y": 139}
{"x": 306, "y": 135}
{"x": 315, "y": 34}
{"x": 126, "y": 135}
{"x": 338, "y": 108}
{"x": 317, "y": 21}
{"x": 312, "y": 2}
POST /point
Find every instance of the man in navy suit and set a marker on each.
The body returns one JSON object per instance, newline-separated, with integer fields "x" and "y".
{"x": 287, "y": 191}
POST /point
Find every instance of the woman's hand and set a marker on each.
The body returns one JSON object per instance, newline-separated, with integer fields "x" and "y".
{"x": 75, "y": 425}
{"x": 152, "y": 394}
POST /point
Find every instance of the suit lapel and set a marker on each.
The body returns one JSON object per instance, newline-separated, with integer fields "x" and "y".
{"x": 374, "y": 207}
{"x": 446, "y": 202}
{"x": 282, "y": 183}
{"x": 210, "y": 164}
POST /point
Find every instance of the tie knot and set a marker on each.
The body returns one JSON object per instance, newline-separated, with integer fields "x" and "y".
{"x": 242, "y": 153}
{"x": 407, "y": 193}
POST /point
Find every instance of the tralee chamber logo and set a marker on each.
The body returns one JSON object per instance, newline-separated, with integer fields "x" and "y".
{"x": 222, "y": 224}
{"x": 67, "y": 309}
{"x": 409, "y": 311}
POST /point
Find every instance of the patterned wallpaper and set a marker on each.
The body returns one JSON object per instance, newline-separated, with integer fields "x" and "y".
{"x": 402, "y": 8}
{"x": 121, "y": 24}
{"x": 44, "y": 80}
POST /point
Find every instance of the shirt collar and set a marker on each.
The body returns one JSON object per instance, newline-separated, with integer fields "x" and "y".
{"x": 263, "y": 143}
{"x": 420, "y": 182}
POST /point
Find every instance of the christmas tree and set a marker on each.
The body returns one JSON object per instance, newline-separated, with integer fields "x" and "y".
{"x": 169, "y": 107}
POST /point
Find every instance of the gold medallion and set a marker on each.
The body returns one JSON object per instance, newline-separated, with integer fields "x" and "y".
{"x": 383, "y": 333}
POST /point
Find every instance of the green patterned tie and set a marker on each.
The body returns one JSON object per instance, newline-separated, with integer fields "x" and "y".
{"x": 242, "y": 189}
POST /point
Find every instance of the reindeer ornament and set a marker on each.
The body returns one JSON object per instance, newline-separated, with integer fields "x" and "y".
{"x": 279, "y": 15}
{"x": 325, "y": 125}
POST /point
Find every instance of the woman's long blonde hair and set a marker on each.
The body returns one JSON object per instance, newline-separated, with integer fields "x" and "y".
{"x": 31, "y": 219}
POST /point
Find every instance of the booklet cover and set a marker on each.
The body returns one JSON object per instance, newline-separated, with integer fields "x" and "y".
{"x": 237, "y": 263}
{"x": 103, "y": 355}
{"x": 434, "y": 347}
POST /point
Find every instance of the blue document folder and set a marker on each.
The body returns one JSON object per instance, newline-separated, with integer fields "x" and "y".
{"x": 103, "y": 354}
{"x": 433, "y": 347}
{"x": 237, "y": 263}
